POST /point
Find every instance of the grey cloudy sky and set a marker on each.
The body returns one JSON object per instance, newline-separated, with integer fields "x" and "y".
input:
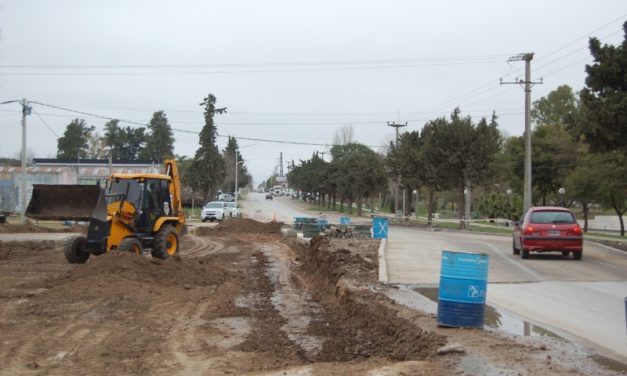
{"x": 286, "y": 70}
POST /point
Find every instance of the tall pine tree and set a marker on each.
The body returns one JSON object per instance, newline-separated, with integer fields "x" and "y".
{"x": 207, "y": 170}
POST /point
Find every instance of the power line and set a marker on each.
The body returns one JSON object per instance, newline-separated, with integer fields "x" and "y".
{"x": 443, "y": 59}
{"x": 493, "y": 84}
{"x": 46, "y": 124}
{"x": 187, "y": 131}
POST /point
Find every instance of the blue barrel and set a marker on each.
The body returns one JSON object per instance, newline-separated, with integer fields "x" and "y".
{"x": 463, "y": 286}
{"x": 380, "y": 227}
{"x": 345, "y": 220}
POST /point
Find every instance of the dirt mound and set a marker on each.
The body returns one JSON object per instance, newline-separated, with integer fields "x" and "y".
{"x": 355, "y": 259}
{"x": 174, "y": 271}
{"x": 240, "y": 226}
{"x": 27, "y": 227}
{"x": 359, "y": 323}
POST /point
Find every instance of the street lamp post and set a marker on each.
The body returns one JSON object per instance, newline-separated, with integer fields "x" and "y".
{"x": 236, "y": 168}
{"x": 398, "y": 178}
{"x": 509, "y": 196}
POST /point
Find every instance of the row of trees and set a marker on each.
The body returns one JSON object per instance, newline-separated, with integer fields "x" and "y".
{"x": 207, "y": 172}
{"x": 579, "y": 144}
{"x": 154, "y": 142}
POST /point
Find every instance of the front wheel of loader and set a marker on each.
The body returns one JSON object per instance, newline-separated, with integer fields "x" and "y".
{"x": 166, "y": 243}
{"x": 75, "y": 251}
{"x": 132, "y": 245}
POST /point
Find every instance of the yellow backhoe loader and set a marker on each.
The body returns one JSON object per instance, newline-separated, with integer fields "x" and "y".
{"x": 133, "y": 213}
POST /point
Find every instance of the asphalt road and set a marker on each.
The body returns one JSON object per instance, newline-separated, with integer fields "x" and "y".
{"x": 583, "y": 300}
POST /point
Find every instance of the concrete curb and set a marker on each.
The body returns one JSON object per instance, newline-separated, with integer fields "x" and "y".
{"x": 383, "y": 265}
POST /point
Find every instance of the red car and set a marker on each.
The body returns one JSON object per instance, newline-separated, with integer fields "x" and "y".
{"x": 548, "y": 229}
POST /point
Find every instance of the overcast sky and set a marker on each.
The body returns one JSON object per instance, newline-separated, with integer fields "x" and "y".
{"x": 291, "y": 71}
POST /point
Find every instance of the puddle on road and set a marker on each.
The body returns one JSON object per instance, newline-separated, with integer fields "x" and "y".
{"x": 294, "y": 304}
{"x": 500, "y": 319}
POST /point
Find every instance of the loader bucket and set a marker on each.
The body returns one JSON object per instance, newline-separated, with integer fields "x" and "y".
{"x": 67, "y": 202}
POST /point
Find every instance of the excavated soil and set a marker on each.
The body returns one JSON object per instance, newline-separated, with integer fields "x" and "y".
{"x": 8, "y": 228}
{"x": 237, "y": 300}
{"x": 242, "y": 226}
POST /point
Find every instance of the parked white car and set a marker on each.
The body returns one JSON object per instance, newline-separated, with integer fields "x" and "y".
{"x": 214, "y": 211}
{"x": 234, "y": 212}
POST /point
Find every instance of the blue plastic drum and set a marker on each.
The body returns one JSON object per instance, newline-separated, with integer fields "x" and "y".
{"x": 345, "y": 221}
{"x": 463, "y": 286}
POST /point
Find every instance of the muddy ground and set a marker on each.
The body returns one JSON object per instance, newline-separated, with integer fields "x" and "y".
{"x": 238, "y": 299}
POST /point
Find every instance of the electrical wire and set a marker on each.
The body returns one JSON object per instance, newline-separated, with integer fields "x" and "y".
{"x": 185, "y": 130}
{"x": 46, "y": 124}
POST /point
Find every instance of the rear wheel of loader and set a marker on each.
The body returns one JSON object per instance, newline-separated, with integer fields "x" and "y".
{"x": 166, "y": 243}
{"x": 132, "y": 245}
{"x": 75, "y": 251}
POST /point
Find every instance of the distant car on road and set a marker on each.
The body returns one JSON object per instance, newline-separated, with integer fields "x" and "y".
{"x": 548, "y": 229}
{"x": 214, "y": 211}
{"x": 268, "y": 196}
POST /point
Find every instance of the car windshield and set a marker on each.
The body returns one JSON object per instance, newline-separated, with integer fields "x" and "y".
{"x": 230, "y": 204}
{"x": 214, "y": 205}
{"x": 553, "y": 217}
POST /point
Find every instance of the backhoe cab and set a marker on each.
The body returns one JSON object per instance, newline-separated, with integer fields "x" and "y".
{"x": 133, "y": 213}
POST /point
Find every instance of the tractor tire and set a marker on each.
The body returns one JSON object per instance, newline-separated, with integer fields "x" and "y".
{"x": 132, "y": 245}
{"x": 75, "y": 251}
{"x": 525, "y": 254}
{"x": 166, "y": 243}
{"x": 577, "y": 255}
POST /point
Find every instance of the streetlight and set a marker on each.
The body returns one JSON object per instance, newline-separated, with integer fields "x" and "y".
{"x": 236, "y": 164}
{"x": 398, "y": 178}
{"x": 509, "y": 196}
{"x": 467, "y": 209}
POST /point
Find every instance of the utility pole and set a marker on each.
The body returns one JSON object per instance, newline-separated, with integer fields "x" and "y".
{"x": 26, "y": 110}
{"x": 526, "y": 57}
{"x": 281, "y": 162}
{"x": 398, "y": 178}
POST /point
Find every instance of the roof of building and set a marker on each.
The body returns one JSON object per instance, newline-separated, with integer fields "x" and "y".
{"x": 93, "y": 162}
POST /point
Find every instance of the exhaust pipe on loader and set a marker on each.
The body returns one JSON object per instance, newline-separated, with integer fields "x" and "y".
{"x": 67, "y": 203}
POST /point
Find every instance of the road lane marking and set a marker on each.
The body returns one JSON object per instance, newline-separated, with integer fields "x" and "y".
{"x": 513, "y": 262}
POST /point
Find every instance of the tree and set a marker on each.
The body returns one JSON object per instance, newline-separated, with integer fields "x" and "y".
{"x": 75, "y": 141}
{"x": 125, "y": 144}
{"x": 558, "y": 107}
{"x": 207, "y": 170}
{"x": 97, "y": 146}
{"x": 344, "y": 135}
{"x": 604, "y": 98}
{"x": 582, "y": 184}
{"x": 360, "y": 173}
{"x": 159, "y": 140}
{"x": 611, "y": 171}
{"x": 458, "y": 154}
{"x": 229, "y": 153}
